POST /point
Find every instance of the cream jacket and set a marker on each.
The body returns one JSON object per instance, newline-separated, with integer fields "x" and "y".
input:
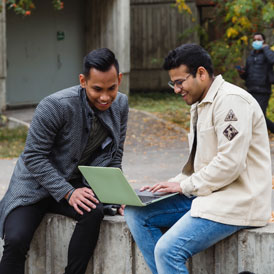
{"x": 232, "y": 176}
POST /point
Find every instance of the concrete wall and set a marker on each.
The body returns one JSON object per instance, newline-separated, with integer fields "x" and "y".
{"x": 108, "y": 25}
{"x": 3, "y": 57}
{"x": 40, "y": 61}
{"x": 116, "y": 251}
{"x": 156, "y": 28}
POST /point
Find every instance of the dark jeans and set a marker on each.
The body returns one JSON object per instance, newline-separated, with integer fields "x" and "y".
{"x": 22, "y": 222}
{"x": 262, "y": 99}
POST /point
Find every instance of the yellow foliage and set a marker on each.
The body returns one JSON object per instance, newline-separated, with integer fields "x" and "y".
{"x": 272, "y": 48}
{"x": 237, "y": 10}
{"x": 244, "y": 39}
{"x": 271, "y": 220}
{"x": 227, "y": 17}
{"x": 245, "y": 22}
{"x": 182, "y": 6}
{"x": 231, "y": 32}
{"x": 234, "y": 19}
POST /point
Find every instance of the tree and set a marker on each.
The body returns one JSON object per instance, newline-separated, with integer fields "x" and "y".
{"x": 238, "y": 19}
{"x": 25, "y": 7}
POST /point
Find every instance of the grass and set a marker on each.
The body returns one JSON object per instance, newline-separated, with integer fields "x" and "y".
{"x": 171, "y": 107}
{"x": 12, "y": 141}
{"x": 270, "y": 109}
{"x": 167, "y": 106}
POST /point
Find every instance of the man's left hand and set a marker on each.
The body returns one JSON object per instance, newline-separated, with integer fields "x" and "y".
{"x": 165, "y": 187}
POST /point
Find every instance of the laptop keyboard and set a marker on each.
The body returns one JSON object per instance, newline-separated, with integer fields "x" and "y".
{"x": 146, "y": 199}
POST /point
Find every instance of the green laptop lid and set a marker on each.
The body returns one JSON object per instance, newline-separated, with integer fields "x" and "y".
{"x": 110, "y": 185}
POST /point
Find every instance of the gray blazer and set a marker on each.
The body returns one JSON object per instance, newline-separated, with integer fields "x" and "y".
{"x": 56, "y": 139}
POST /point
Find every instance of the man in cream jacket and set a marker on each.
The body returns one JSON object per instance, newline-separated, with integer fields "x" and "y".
{"x": 225, "y": 185}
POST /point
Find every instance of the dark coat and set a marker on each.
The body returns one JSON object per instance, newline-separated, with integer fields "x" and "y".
{"x": 56, "y": 139}
{"x": 258, "y": 65}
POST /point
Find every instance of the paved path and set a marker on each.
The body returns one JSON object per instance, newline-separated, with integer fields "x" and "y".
{"x": 154, "y": 150}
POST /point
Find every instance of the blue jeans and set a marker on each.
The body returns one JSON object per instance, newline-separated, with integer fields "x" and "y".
{"x": 168, "y": 252}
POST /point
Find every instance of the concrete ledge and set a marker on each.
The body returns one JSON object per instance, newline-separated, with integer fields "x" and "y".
{"x": 249, "y": 250}
{"x": 116, "y": 252}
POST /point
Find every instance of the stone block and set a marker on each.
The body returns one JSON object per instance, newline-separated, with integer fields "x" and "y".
{"x": 116, "y": 251}
{"x": 248, "y": 250}
{"x": 203, "y": 262}
{"x": 59, "y": 230}
{"x": 226, "y": 255}
{"x": 256, "y": 250}
{"x": 139, "y": 264}
{"x": 36, "y": 258}
{"x": 113, "y": 253}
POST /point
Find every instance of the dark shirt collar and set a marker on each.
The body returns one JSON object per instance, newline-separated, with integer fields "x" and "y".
{"x": 88, "y": 110}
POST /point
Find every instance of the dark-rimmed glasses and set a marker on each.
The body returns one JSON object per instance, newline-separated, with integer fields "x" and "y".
{"x": 177, "y": 83}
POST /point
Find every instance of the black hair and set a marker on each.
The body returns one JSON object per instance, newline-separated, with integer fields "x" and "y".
{"x": 101, "y": 59}
{"x": 259, "y": 33}
{"x": 191, "y": 55}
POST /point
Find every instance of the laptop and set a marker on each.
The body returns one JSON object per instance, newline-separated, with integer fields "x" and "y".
{"x": 111, "y": 187}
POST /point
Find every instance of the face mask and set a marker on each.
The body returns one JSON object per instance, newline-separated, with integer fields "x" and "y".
{"x": 257, "y": 45}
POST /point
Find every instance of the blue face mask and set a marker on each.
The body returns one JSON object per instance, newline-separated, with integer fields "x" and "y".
{"x": 257, "y": 45}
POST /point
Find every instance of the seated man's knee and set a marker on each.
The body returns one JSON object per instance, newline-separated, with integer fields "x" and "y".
{"x": 161, "y": 250}
{"x": 166, "y": 251}
{"x": 98, "y": 211}
{"x": 96, "y": 214}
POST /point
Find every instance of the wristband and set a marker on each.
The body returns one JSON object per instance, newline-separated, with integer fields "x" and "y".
{"x": 70, "y": 195}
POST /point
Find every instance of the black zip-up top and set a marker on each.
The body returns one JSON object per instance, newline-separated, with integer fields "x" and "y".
{"x": 258, "y": 65}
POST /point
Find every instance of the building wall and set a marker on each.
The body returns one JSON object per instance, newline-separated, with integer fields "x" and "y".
{"x": 156, "y": 28}
{"x": 3, "y": 71}
{"x": 44, "y": 51}
{"x": 108, "y": 25}
{"x": 39, "y": 63}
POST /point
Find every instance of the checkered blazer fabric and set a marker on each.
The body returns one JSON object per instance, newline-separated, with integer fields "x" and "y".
{"x": 56, "y": 139}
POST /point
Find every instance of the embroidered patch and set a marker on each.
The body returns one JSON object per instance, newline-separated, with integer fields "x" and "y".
{"x": 231, "y": 116}
{"x": 230, "y": 132}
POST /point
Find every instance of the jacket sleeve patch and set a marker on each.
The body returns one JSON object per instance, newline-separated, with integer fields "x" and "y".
{"x": 231, "y": 116}
{"x": 230, "y": 132}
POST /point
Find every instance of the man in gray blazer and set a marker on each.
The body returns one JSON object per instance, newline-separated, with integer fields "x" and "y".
{"x": 81, "y": 125}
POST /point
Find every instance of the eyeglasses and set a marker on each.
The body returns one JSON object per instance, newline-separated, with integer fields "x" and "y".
{"x": 177, "y": 83}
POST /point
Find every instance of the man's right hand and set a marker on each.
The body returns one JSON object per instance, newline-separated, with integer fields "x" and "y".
{"x": 84, "y": 198}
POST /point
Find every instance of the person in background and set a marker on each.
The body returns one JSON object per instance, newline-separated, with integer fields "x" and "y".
{"x": 259, "y": 65}
{"x": 225, "y": 185}
{"x": 80, "y": 125}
